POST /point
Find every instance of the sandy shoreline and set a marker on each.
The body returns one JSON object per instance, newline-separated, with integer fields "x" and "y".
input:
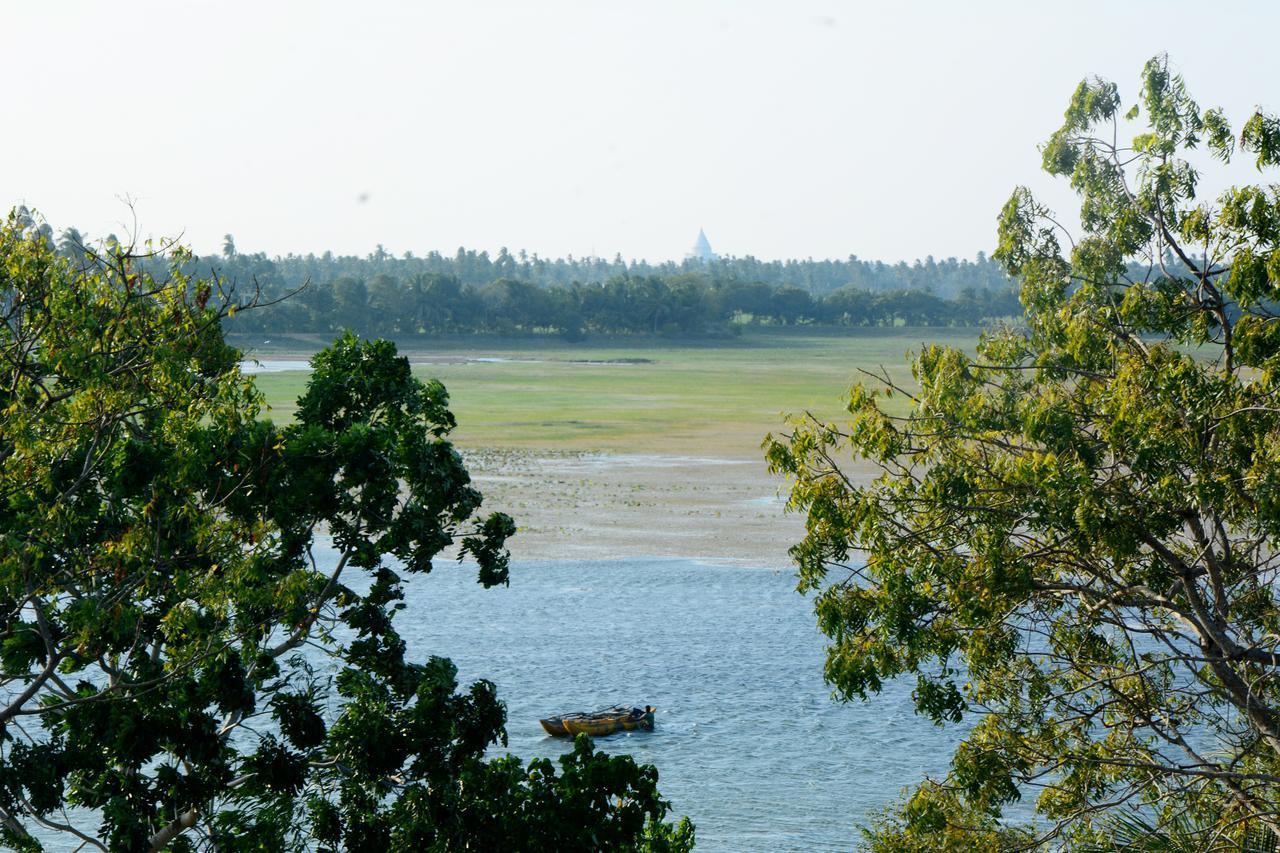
{"x": 584, "y": 505}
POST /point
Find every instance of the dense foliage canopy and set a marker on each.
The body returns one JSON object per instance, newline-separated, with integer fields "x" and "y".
{"x": 947, "y": 277}
{"x": 689, "y": 305}
{"x": 1070, "y": 539}
{"x": 470, "y": 293}
{"x": 184, "y": 662}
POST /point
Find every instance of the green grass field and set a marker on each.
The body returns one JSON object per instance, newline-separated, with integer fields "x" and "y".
{"x": 716, "y": 400}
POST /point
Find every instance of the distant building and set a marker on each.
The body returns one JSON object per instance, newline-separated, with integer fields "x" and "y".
{"x": 701, "y": 250}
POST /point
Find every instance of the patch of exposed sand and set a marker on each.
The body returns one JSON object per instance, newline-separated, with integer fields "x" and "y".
{"x": 579, "y": 505}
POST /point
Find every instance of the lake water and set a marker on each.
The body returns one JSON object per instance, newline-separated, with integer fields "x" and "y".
{"x": 748, "y": 742}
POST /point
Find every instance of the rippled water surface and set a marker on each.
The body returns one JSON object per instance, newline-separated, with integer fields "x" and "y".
{"x": 748, "y": 742}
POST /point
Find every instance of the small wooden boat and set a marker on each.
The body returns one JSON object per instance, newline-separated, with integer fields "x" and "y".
{"x": 609, "y": 721}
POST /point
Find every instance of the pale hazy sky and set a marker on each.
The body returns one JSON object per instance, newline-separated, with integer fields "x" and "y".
{"x": 786, "y": 129}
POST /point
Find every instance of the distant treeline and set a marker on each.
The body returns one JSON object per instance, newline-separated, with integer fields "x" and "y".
{"x": 948, "y": 278}
{"x": 471, "y": 292}
{"x": 687, "y": 304}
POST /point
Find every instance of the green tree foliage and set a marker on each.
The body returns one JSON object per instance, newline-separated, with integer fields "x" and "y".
{"x": 1071, "y": 540}
{"x": 691, "y": 304}
{"x": 471, "y": 294}
{"x": 688, "y": 304}
{"x": 946, "y": 278}
{"x": 178, "y": 669}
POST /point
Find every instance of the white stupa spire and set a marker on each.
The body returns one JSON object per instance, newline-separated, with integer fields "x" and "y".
{"x": 701, "y": 250}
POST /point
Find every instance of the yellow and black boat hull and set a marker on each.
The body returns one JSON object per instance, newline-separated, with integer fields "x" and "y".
{"x": 598, "y": 724}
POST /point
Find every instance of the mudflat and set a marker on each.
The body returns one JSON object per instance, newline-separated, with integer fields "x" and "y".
{"x": 577, "y": 504}
{"x": 648, "y": 449}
